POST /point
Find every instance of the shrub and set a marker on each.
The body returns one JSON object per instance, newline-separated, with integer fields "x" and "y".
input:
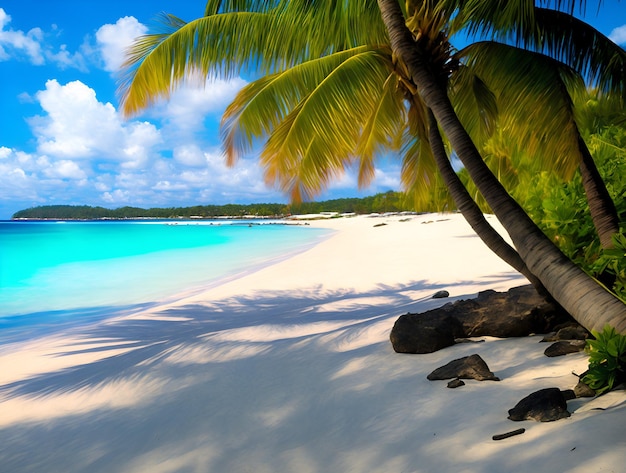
{"x": 607, "y": 360}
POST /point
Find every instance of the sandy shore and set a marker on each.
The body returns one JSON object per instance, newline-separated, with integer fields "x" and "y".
{"x": 290, "y": 369}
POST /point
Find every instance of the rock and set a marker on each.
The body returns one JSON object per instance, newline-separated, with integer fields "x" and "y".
{"x": 573, "y": 332}
{"x": 565, "y": 347}
{"x": 469, "y": 367}
{"x": 421, "y": 333}
{"x": 568, "y": 394}
{"x": 456, "y": 383}
{"x": 441, "y": 294}
{"x": 568, "y": 332}
{"x": 582, "y": 390}
{"x": 516, "y": 313}
{"x": 544, "y": 405}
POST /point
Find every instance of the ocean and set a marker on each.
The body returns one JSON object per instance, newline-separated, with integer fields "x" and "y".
{"x": 54, "y": 273}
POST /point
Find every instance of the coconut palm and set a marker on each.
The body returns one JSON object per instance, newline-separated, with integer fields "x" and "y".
{"x": 418, "y": 60}
{"x": 588, "y": 302}
{"x": 561, "y": 36}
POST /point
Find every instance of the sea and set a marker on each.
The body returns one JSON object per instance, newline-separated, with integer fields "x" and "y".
{"x": 59, "y": 273}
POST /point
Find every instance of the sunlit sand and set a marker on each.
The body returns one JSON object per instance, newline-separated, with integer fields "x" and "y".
{"x": 290, "y": 369}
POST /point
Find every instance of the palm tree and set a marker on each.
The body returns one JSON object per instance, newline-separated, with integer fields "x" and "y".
{"x": 311, "y": 162}
{"x": 588, "y": 302}
{"x": 518, "y": 98}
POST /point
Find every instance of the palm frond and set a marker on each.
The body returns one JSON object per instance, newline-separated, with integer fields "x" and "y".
{"x": 318, "y": 138}
{"x": 262, "y": 105}
{"x": 474, "y": 102}
{"x": 582, "y": 47}
{"x": 383, "y": 130}
{"x": 533, "y": 96}
{"x": 419, "y": 173}
{"x": 217, "y": 45}
{"x": 213, "y": 7}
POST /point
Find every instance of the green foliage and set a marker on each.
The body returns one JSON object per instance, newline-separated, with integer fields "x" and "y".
{"x": 561, "y": 211}
{"x": 613, "y": 261}
{"x": 607, "y": 360}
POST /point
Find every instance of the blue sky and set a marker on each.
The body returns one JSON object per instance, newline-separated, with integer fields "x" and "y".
{"x": 63, "y": 141}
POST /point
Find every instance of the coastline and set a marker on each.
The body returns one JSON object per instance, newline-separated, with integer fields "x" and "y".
{"x": 289, "y": 368}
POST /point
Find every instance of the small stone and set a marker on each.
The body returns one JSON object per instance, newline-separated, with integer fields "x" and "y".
{"x": 456, "y": 383}
{"x": 441, "y": 294}
{"x": 582, "y": 390}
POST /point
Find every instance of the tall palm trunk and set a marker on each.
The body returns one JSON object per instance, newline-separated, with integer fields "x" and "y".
{"x": 590, "y": 304}
{"x": 601, "y": 205}
{"x": 470, "y": 210}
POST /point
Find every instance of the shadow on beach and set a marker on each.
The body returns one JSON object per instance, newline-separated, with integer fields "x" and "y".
{"x": 288, "y": 381}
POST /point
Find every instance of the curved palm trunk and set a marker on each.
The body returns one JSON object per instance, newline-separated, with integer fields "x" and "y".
{"x": 590, "y": 304}
{"x": 601, "y": 205}
{"x": 472, "y": 213}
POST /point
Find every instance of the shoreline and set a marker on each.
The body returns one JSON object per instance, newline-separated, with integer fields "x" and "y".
{"x": 290, "y": 368}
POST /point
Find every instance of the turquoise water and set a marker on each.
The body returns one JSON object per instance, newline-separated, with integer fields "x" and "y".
{"x": 74, "y": 268}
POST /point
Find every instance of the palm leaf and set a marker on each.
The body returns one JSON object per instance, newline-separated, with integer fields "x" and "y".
{"x": 322, "y": 133}
{"x": 262, "y": 104}
{"x": 535, "y": 107}
{"x": 582, "y": 47}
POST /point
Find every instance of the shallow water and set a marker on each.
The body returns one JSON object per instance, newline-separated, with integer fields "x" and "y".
{"x": 62, "y": 269}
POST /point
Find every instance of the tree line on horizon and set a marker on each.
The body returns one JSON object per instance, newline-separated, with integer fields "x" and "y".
{"x": 389, "y": 201}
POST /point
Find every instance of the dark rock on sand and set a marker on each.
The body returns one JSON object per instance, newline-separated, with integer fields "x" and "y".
{"x": 469, "y": 367}
{"x": 441, "y": 294}
{"x": 544, "y": 405}
{"x": 421, "y": 333}
{"x": 569, "y": 332}
{"x": 456, "y": 383}
{"x": 516, "y": 313}
{"x": 565, "y": 347}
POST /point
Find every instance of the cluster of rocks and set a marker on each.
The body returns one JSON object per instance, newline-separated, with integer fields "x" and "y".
{"x": 518, "y": 312}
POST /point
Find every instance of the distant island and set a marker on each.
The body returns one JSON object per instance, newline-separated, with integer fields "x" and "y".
{"x": 385, "y": 202}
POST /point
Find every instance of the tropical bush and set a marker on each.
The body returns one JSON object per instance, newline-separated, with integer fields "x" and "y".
{"x": 561, "y": 210}
{"x": 607, "y": 360}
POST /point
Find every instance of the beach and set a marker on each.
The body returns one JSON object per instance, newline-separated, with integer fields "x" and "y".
{"x": 290, "y": 369}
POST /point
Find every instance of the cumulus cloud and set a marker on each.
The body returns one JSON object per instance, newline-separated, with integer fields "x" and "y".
{"x": 618, "y": 35}
{"x": 32, "y": 46}
{"x": 17, "y": 43}
{"x": 77, "y": 126}
{"x": 187, "y": 108}
{"x": 113, "y": 40}
{"x": 65, "y": 169}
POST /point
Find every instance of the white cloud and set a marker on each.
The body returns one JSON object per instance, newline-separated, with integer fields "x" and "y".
{"x": 65, "y": 169}
{"x": 618, "y": 35}
{"x": 32, "y": 46}
{"x": 77, "y": 126}
{"x": 190, "y": 155}
{"x": 113, "y": 40}
{"x": 18, "y": 43}
{"x": 188, "y": 106}
{"x": 5, "y": 152}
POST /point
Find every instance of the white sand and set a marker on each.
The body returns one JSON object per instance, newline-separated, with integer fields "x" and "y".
{"x": 290, "y": 369}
